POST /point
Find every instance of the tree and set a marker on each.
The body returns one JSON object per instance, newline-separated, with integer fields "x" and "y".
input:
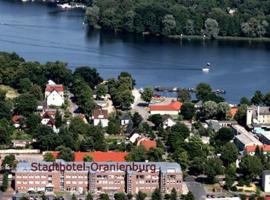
{"x": 197, "y": 165}
{"x": 101, "y": 90}
{"x": 181, "y": 156}
{"x": 36, "y": 91}
{"x": 244, "y": 100}
{"x": 230, "y": 176}
{"x": 92, "y": 16}
{"x": 120, "y": 196}
{"x": 58, "y": 119}
{"x": 209, "y": 109}
{"x": 89, "y": 196}
{"x": 129, "y": 196}
{"x": 202, "y": 91}
{"x": 156, "y": 195}
{"x": 136, "y": 119}
{"x": 154, "y": 154}
{"x": 189, "y": 27}
{"x": 211, "y": 28}
{"x": 104, "y": 196}
{"x": 48, "y": 157}
{"x": 73, "y": 197}
{"x": 188, "y": 110}
{"x": 240, "y": 116}
{"x": 4, "y": 186}
{"x": 213, "y": 167}
{"x": 189, "y": 196}
{"x": 183, "y": 95}
{"x": 267, "y": 99}
{"x": 229, "y": 153}
{"x": 137, "y": 154}
{"x": 9, "y": 161}
{"x": 87, "y": 158}
{"x": 147, "y": 94}
{"x": 25, "y": 104}
{"x": 141, "y": 196}
{"x": 32, "y": 122}
{"x": 173, "y": 195}
{"x": 156, "y": 119}
{"x": 169, "y": 25}
{"x": 257, "y": 98}
{"x": 65, "y": 153}
{"x": 223, "y": 109}
{"x": 250, "y": 167}
{"x": 223, "y": 136}
{"x": 114, "y": 126}
{"x": 25, "y": 85}
{"x": 5, "y": 110}
{"x": 129, "y": 21}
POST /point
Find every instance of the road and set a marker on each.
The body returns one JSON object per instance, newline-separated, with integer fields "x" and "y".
{"x": 139, "y": 105}
{"x": 197, "y": 189}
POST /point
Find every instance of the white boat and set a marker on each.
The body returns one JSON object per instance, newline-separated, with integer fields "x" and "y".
{"x": 64, "y": 6}
{"x": 206, "y": 68}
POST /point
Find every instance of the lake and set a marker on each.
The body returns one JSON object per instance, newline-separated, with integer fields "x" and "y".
{"x": 43, "y": 33}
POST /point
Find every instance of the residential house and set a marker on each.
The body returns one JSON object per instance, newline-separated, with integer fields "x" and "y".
{"x": 48, "y": 119}
{"x": 125, "y": 119}
{"x": 258, "y": 115}
{"x": 250, "y": 150}
{"x": 54, "y": 94}
{"x": 147, "y": 143}
{"x": 134, "y": 138}
{"x": 167, "y": 121}
{"x": 172, "y": 108}
{"x": 20, "y": 143}
{"x": 18, "y": 121}
{"x": 100, "y": 117}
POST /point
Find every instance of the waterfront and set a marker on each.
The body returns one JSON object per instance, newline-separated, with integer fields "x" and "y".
{"x": 42, "y": 33}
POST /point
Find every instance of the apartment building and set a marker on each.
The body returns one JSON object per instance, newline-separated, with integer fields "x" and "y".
{"x": 109, "y": 177}
{"x": 259, "y": 115}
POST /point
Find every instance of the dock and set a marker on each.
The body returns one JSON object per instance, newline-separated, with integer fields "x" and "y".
{"x": 191, "y": 90}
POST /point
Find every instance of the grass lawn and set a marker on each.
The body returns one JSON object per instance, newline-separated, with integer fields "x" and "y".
{"x": 10, "y": 92}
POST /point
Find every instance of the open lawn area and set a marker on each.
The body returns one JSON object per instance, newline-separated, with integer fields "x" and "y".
{"x": 10, "y": 92}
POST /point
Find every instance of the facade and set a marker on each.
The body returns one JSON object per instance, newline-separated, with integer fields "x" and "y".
{"x": 258, "y": 115}
{"x": 172, "y": 108}
{"x": 266, "y": 181}
{"x": 54, "y": 94}
{"x": 100, "y": 117}
{"x": 110, "y": 177}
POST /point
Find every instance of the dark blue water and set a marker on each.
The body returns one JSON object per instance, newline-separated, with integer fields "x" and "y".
{"x": 38, "y": 32}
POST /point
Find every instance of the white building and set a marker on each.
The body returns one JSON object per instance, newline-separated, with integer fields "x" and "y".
{"x": 266, "y": 181}
{"x": 54, "y": 94}
{"x": 168, "y": 122}
{"x": 258, "y": 115}
{"x": 100, "y": 117}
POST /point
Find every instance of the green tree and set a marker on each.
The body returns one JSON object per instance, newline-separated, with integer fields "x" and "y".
{"x": 189, "y": 196}
{"x": 137, "y": 154}
{"x": 104, "y": 196}
{"x": 25, "y": 104}
{"x": 183, "y": 95}
{"x": 240, "y": 116}
{"x": 250, "y": 167}
{"x": 188, "y": 110}
{"x": 257, "y": 98}
{"x": 87, "y": 159}
{"x": 92, "y": 16}
{"x": 181, "y": 156}
{"x": 48, "y": 157}
{"x": 189, "y": 27}
{"x": 9, "y": 161}
{"x": 120, "y": 196}
{"x": 36, "y": 91}
{"x": 244, "y": 100}
{"x": 147, "y": 94}
{"x": 24, "y": 85}
{"x": 173, "y": 195}
{"x": 73, "y": 197}
{"x": 89, "y": 75}
{"x": 223, "y": 136}
{"x": 114, "y": 126}
{"x": 101, "y": 90}
{"x": 202, "y": 91}
{"x": 213, "y": 167}
{"x": 156, "y": 195}
{"x": 209, "y": 109}
{"x": 156, "y": 119}
{"x": 169, "y": 25}
{"x": 58, "y": 119}
{"x": 141, "y": 196}
{"x": 229, "y": 153}
{"x": 136, "y": 119}
{"x": 4, "y": 186}
{"x": 65, "y": 153}
{"x": 211, "y": 28}
{"x": 230, "y": 176}
{"x": 267, "y": 99}
{"x": 89, "y": 196}
{"x": 223, "y": 109}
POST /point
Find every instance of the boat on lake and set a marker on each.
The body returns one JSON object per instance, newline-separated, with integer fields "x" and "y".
{"x": 206, "y": 68}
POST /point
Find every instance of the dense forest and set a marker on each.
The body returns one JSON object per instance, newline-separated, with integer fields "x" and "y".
{"x": 209, "y": 18}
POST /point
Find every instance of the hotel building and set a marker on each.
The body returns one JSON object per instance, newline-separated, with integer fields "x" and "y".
{"x": 165, "y": 176}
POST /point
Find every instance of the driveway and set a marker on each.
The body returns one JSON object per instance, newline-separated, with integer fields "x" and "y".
{"x": 197, "y": 189}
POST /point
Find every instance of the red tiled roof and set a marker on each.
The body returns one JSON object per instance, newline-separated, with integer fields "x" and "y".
{"x": 265, "y": 148}
{"x": 99, "y": 156}
{"x": 57, "y": 88}
{"x": 100, "y": 112}
{"x": 16, "y": 119}
{"x": 233, "y": 111}
{"x": 173, "y": 106}
{"x": 49, "y": 114}
{"x": 148, "y": 144}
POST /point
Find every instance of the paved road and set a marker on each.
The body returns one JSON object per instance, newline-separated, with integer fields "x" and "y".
{"x": 197, "y": 189}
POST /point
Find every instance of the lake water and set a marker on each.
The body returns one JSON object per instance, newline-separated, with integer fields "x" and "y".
{"x": 39, "y": 32}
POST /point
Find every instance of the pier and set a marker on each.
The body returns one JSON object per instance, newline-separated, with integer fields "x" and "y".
{"x": 191, "y": 90}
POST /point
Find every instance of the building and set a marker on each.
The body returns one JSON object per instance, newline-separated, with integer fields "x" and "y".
{"x": 104, "y": 177}
{"x": 250, "y": 150}
{"x": 48, "y": 119}
{"x": 54, "y": 94}
{"x": 172, "y": 108}
{"x": 258, "y": 115}
{"x": 266, "y": 181}
{"x": 244, "y": 138}
{"x": 263, "y": 134}
{"x": 100, "y": 117}
{"x": 125, "y": 119}
{"x": 222, "y": 198}
{"x": 168, "y": 121}
{"x": 18, "y": 121}
{"x": 147, "y": 143}
{"x": 20, "y": 143}
{"x": 100, "y": 156}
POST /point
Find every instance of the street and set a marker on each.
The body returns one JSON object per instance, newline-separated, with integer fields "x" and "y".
{"x": 197, "y": 189}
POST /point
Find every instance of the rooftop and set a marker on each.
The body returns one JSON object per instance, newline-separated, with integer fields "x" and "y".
{"x": 99, "y": 156}
{"x": 100, "y": 114}
{"x": 173, "y": 106}
{"x": 57, "y": 88}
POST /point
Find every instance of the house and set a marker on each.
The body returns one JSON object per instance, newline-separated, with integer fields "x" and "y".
{"x": 233, "y": 111}
{"x": 168, "y": 121}
{"x": 100, "y": 117}
{"x": 17, "y": 120}
{"x": 99, "y": 156}
{"x": 54, "y": 94}
{"x": 172, "y": 108}
{"x": 250, "y": 150}
{"x": 258, "y": 115}
{"x": 134, "y": 138}
{"x": 147, "y": 143}
{"x": 266, "y": 181}
{"x": 125, "y": 119}
{"x": 48, "y": 119}
{"x": 263, "y": 134}
{"x": 20, "y": 143}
